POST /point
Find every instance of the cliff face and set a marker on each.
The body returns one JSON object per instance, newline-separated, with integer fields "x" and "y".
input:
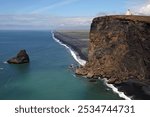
{"x": 119, "y": 49}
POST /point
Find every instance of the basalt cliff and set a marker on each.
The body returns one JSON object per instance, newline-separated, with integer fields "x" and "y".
{"x": 119, "y": 49}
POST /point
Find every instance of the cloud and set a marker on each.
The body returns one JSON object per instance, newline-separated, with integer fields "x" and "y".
{"x": 145, "y": 9}
{"x": 55, "y": 5}
{"x": 139, "y": 7}
{"x": 42, "y": 22}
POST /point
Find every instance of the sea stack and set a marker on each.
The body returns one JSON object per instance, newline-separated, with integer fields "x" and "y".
{"x": 119, "y": 49}
{"x": 21, "y": 58}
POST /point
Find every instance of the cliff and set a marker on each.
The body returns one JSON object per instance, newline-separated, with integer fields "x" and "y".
{"x": 119, "y": 49}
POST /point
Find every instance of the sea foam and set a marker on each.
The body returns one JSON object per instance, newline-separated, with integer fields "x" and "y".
{"x": 5, "y": 62}
{"x": 83, "y": 62}
{"x": 121, "y": 94}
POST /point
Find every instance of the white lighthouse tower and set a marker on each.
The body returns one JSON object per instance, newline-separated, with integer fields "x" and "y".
{"x": 128, "y": 12}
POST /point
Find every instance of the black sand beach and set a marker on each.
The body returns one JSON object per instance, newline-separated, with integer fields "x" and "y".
{"x": 77, "y": 40}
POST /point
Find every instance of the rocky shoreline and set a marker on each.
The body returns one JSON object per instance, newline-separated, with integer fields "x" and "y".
{"x": 78, "y": 52}
{"x": 131, "y": 80}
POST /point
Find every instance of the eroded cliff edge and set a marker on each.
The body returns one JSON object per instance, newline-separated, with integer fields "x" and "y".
{"x": 119, "y": 49}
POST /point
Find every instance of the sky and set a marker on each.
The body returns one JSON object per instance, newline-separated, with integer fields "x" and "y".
{"x": 63, "y": 14}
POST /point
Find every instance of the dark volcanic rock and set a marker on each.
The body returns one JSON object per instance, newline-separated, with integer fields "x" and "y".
{"x": 22, "y": 57}
{"x": 135, "y": 88}
{"x": 119, "y": 48}
{"x": 92, "y": 80}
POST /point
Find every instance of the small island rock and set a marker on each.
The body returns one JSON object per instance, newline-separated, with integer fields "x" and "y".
{"x": 21, "y": 58}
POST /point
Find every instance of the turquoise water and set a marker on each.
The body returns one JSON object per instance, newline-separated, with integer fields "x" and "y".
{"x": 47, "y": 76}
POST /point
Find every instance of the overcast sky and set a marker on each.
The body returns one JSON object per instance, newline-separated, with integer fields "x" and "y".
{"x": 51, "y": 14}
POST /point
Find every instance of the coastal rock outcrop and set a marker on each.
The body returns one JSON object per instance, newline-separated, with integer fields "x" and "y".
{"x": 22, "y": 57}
{"x": 119, "y": 49}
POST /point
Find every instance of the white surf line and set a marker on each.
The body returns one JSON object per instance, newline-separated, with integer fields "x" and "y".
{"x": 83, "y": 62}
{"x": 121, "y": 94}
{"x": 73, "y": 53}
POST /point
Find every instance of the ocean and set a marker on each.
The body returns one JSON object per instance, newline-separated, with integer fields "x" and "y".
{"x": 47, "y": 76}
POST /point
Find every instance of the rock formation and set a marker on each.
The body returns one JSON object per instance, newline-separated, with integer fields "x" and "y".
{"x": 119, "y": 49}
{"x": 22, "y": 57}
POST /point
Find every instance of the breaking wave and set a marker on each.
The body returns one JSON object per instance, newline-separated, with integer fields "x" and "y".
{"x": 121, "y": 94}
{"x": 73, "y": 53}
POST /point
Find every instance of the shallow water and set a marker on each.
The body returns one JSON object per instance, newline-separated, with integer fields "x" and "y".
{"x": 47, "y": 75}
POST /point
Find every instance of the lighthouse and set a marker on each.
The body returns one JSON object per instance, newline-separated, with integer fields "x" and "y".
{"x": 128, "y": 12}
